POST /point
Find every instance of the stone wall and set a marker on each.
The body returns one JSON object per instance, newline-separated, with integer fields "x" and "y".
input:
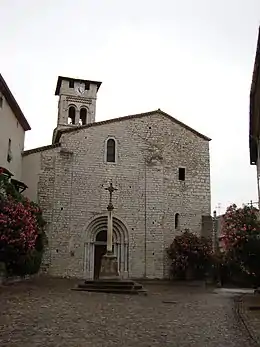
{"x": 150, "y": 151}
{"x": 207, "y": 227}
{"x": 31, "y": 169}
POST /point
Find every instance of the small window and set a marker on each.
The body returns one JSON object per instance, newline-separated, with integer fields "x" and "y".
{"x": 177, "y": 220}
{"x": 111, "y": 151}
{"x": 1, "y": 101}
{"x": 83, "y": 117}
{"x": 72, "y": 115}
{"x": 71, "y": 84}
{"x": 9, "y": 152}
{"x": 182, "y": 174}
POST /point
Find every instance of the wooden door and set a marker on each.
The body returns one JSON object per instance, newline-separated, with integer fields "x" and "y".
{"x": 100, "y": 250}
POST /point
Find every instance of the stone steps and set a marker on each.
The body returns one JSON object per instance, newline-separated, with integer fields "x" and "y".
{"x": 111, "y": 286}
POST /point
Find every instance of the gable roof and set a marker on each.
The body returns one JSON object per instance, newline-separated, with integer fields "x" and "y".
{"x": 134, "y": 116}
{"x": 254, "y": 117}
{"x": 4, "y": 89}
{"x": 61, "y": 78}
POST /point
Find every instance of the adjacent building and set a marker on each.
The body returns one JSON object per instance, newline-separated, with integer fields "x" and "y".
{"x": 254, "y": 120}
{"x": 13, "y": 126}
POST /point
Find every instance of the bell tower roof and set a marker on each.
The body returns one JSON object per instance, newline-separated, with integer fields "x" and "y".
{"x": 69, "y": 79}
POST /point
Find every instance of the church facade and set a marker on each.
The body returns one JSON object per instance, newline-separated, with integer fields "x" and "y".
{"x": 160, "y": 167}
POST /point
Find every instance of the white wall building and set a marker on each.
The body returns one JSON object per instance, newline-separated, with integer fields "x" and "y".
{"x": 13, "y": 126}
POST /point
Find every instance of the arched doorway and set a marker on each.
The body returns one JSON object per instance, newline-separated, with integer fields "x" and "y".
{"x": 95, "y": 246}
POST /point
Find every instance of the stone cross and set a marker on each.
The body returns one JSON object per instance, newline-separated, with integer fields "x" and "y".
{"x": 110, "y": 189}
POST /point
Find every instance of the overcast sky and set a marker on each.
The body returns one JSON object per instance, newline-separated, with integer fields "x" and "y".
{"x": 191, "y": 58}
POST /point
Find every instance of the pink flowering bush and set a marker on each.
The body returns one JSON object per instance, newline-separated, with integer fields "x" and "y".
{"x": 22, "y": 236}
{"x": 190, "y": 255}
{"x": 18, "y": 226}
{"x": 239, "y": 224}
{"x": 241, "y": 238}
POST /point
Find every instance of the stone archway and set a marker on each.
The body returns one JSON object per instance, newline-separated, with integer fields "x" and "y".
{"x": 93, "y": 243}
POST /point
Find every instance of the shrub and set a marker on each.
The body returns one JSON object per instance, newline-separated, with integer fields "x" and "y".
{"x": 241, "y": 236}
{"x": 189, "y": 254}
{"x": 22, "y": 236}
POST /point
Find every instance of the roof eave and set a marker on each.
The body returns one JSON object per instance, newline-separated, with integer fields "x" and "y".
{"x": 13, "y": 104}
{"x": 139, "y": 115}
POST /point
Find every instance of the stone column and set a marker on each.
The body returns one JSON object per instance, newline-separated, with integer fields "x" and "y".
{"x": 109, "y": 232}
{"x": 77, "y": 115}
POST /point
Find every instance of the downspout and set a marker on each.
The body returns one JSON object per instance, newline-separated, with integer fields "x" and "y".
{"x": 52, "y": 229}
{"x": 257, "y": 139}
{"x": 257, "y": 171}
{"x": 145, "y": 221}
{"x": 215, "y": 232}
{"x": 145, "y": 206}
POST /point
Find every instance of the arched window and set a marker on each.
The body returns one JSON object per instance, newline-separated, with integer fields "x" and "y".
{"x": 111, "y": 151}
{"x": 83, "y": 117}
{"x": 72, "y": 115}
{"x": 177, "y": 220}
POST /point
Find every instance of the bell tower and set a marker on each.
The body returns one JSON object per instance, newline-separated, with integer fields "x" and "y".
{"x": 77, "y": 102}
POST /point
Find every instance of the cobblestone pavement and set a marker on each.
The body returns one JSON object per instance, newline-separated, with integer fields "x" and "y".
{"x": 47, "y": 313}
{"x": 251, "y": 317}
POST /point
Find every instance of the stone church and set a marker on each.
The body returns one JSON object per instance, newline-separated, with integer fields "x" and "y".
{"x": 160, "y": 167}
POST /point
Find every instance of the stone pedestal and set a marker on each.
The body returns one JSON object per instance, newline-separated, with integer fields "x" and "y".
{"x": 109, "y": 267}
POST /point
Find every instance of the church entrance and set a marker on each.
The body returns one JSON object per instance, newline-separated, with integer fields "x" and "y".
{"x": 95, "y": 246}
{"x": 99, "y": 251}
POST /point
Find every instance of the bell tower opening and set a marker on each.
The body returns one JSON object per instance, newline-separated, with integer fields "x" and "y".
{"x": 83, "y": 116}
{"x": 71, "y": 115}
{"x": 77, "y": 102}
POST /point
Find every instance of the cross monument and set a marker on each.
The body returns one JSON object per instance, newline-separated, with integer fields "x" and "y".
{"x": 109, "y": 265}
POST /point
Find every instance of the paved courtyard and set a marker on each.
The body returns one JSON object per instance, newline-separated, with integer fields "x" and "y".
{"x": 47, "y": 313}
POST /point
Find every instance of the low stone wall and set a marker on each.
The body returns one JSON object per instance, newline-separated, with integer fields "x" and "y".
{"x": 5, "y": 281}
